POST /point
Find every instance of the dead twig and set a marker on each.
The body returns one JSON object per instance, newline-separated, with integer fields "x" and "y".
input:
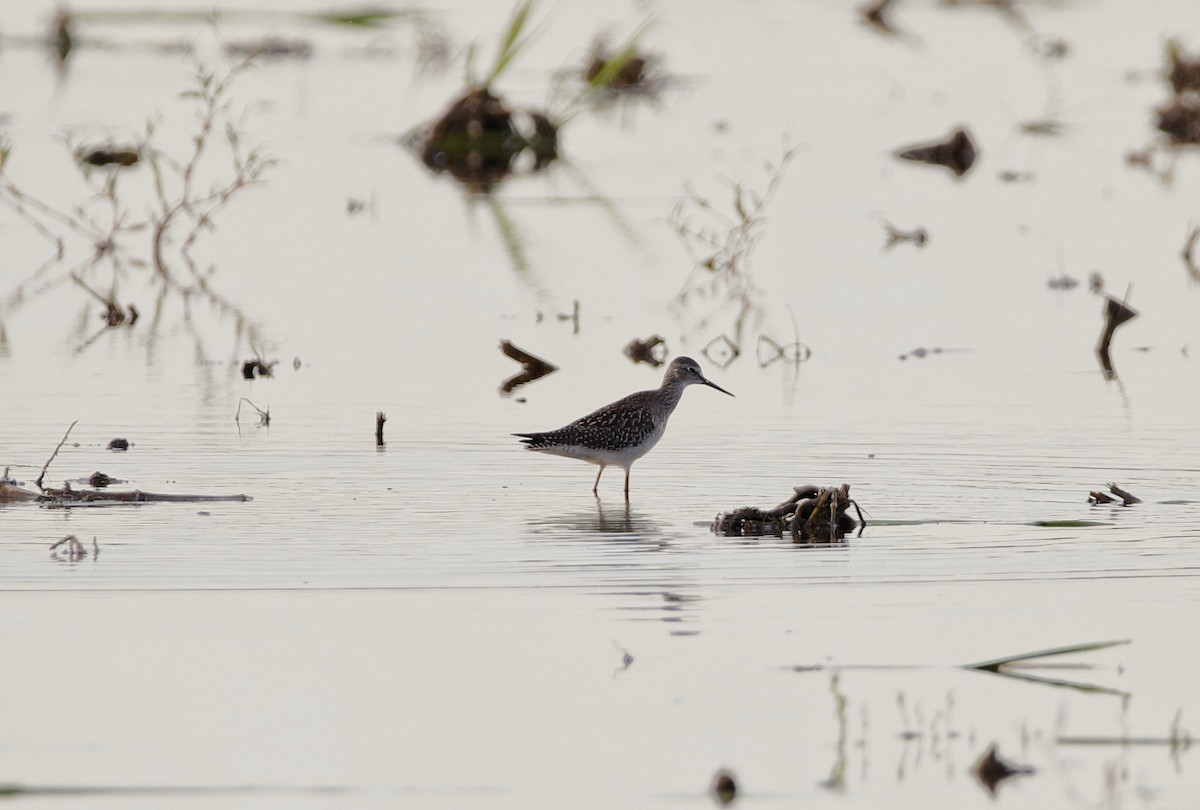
{"x": 46, "y": 466}
{"x": 380, "y": 418}
{"x": 264, "y": 417}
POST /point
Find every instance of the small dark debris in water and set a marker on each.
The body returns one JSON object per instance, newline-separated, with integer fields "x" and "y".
{"x": 811, "y": 514}
{"x": 62, "y": 37}
{"x": 572, "y": 316}
{"x": 721, "y": 350}
{"x": 270, "y": 47}
{"x": 1096, "y": 282}
{"x": 1012, "y": 176}
{"x": 652, "y": 351}
{"x": 1044, "y": 127}
{"x": 957, "y": 152}
{"x": 724, "y": 788}
{"x": 533, "y": 368}
{"x": 990, "y": 770}
{"x": 1184, "y": 73}
{"x": 917, "y": 236}
{"x": 479, "y": 138}
{"x": 921, "y": 353}
{"x": 109, "y": 156}
{"x": 115, "y": 316}
{"x": 118, "y": 444}
{"x": 1115, "y": 313}
{"x": 1063, "y": 282}
{"x": 639, "y": 73}
{"x": 1050, "y": 47}
{"x": 1127, "y": 498}
{"x": 875, "y": 15}
{"x": 1180, "y": 120}
{"x": 380, "y": 418}
{"x": 99, "y": 480}
{"x": 257, "y": 368}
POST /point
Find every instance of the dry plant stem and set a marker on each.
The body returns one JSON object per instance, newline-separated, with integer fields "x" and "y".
{"x": 1188, "y": 252}
{"x": 264, "y": 417}
{"x": 46, "y": 466}
{"x": 722, "y": 245}
{"x": 200, "y": 209}
{"x": 380, "y": 418}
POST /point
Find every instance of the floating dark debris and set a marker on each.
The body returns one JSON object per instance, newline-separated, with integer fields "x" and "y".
{"x": 724, "y": 788}
{"x": 625, "y": 71}
{"x": 921, "y": 353}
{"x": 533, "y": 368}
{"x": 1013, "y": 176}
{"x": 479, "y": 138}
{"x": 110, "y": 156}
{"x": 917, "y": 236}
{"x": 1180, "y": 120}
{"x": 812, "y": 514}
{"x": 652, "y": 351}
{"x": 1184, "y": 73}
{"x": 875, "y": 15}
{"x": 1126, "y": 498}
{"x": 1115, "y": 313}
{"x": 990, "y": 770}
{"x": 257, "y": 368}
{"x": 101, "y": 480}
{"x": 270, "y": 47}
{"x": 957, "y": 152}
{"x": 119, "y": 444}
{"x": 1063, "y": 282}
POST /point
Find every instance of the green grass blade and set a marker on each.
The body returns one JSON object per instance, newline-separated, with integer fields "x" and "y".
{"x": 511, "y": 43}
{"x": 995, "y": 664}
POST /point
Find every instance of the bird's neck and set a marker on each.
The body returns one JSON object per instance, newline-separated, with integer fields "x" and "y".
{"x": 669, "y": 394}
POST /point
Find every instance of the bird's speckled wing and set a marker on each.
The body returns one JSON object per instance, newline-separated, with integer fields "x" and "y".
{"x": 622, "y": 424}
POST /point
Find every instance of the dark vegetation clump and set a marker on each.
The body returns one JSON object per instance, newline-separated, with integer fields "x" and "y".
{"x": 120, "y": 157}
{"x": 626, "y": 70}
{"x": 480, "y": 137}
{"x": 652, "y": 351}
{"x": 811, "y": 515}
{"x": 119, "y": 444}
{"x": 1179, "y": 118}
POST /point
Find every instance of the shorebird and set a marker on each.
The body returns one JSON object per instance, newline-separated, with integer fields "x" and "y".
{"x": 622, "y": 432}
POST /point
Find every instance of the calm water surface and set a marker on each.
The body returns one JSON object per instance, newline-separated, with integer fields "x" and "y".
{"x": 453, "y": 622}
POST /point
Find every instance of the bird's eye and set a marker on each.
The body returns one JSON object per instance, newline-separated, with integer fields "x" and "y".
{"x": 693, "y": 370}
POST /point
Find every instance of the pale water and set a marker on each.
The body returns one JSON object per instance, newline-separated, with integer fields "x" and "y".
{"x": 449, "y": 621}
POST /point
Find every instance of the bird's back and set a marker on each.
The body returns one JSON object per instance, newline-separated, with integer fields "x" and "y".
{"x": 626, "y": 423}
